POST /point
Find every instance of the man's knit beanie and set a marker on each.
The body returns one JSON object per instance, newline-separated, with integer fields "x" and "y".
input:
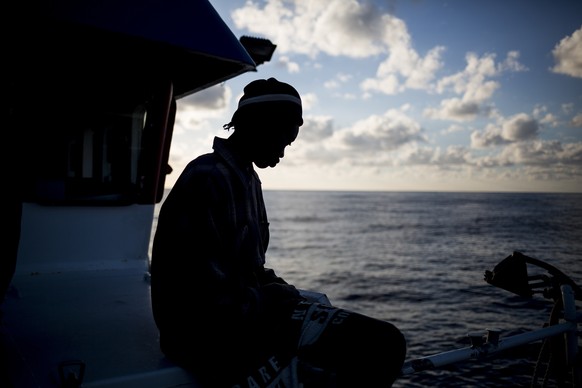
{"x": 269, "y": 98}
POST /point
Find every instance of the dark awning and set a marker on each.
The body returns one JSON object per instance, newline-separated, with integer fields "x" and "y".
{"x": 186, "y": 41}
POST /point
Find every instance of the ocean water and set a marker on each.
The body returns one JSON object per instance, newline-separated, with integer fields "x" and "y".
{"x": 418, "y": 260}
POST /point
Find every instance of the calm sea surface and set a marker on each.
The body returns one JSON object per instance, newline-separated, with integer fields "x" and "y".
{"x": 418, "y": 260}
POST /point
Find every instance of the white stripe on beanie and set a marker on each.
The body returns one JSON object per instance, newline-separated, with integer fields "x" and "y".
{"x": 268, "y": 98}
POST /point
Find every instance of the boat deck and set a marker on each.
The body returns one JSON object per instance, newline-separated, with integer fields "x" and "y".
{"x": 54, "y": 322}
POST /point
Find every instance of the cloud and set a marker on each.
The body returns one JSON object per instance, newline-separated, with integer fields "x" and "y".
{"x": 474, "y": 85}
{"x": 316, "y": 128}
{"x": 415, "y": 155}
{"x": 472, "y": 81}
{"x": 544, "y": 153}
{"x": 511, "y": 63}
{"x": 331, "y": 84}
{"x": 453, "y": 155}
{"x": 568, "y": 55}
{"x": 337, "y": 81}
{"x": 196, "y": 109}
{"x": 385, "y": 132}
{"x": 303, "y": 27}
{"x": 577, "y": 121}
{"x": 360, "y": 30}
{"x": 567, "y": 107}
{"x": 518, "y": 128}
{"x": 541, "y": 114}
{"x": 394, "y": 142}
{"x": 454, "y": 109}
{"x": 370, "y": 141}
{"x": 405, "y": 69}
{"x": 214, "y": 98}
{"x": 308, "y": 101}
{"x": 287, "y": 63}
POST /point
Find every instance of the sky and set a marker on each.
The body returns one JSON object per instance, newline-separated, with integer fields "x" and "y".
{"x": 418, "y": 95}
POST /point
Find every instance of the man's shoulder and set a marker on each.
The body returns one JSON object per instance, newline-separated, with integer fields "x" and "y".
{"x": 209, "y": 164}
{"x": 203, "y": 164}
{"x": 205, "y": 160}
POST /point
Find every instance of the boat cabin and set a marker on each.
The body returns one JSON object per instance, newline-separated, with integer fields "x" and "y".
{"x": 90, "y": 91}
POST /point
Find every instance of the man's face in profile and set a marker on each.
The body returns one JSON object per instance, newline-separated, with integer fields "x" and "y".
{"x": 271, "y": 144}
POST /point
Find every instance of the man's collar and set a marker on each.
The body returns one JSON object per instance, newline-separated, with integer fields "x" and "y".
{"x": 243, "y": 169}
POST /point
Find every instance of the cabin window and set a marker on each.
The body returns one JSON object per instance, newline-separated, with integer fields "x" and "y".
{"x": 91, "y": 158}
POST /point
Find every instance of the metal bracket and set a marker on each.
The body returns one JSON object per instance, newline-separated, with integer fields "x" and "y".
{"x": 71, "y": 373}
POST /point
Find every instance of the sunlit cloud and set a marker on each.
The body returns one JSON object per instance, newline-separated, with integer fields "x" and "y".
{"x": 382, "y": 132}
{"x": 195, "y": 110}
{"x": 287, "y": 63}
{"x": 451, "y": 125}
{"x": 545, "y": 117}
{"x": 568, "y": 55}
{"x": 511, "y": 63}
{"x": 567, "y": 108}
{"x": 475, "y": 86}
{"x": 405, "y": 69}
{"x": 360, "y": 30}
{"x": 455, "y": 109}
{"x": 545, "y": 153}
{"x": 576, "y": 121}
{"x": 517, "y": 128}
{"x": 308, "y": 101}
{"x": 212, "y": 99}
{"x": 370, "y": 141}
{"x": 337, "y": 81}
{"x": 303, "y": 26}
{"x": 316, "y": 128}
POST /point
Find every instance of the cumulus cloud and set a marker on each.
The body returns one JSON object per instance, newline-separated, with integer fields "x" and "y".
{"x": 544, "y": 153}
{"x": 391, "y": 139}
{"x": 546, "y": 160}
{"x": 474, "y": 85}
{"x": 576, "y": 121}
{"x": 396, "y": 140}
{"x": 473, "y": 81}
{"x": 316, "y": 129}
{"x": 359, "y": 30}
{"x": 331, "y": 84}
{"x": 405, "y": 69}
{"x": 568, "y": 55}
{"x": 518, "y": 128}
{"x": 287, "y": 63}
{"x": 541, "y": 114}
{"x": 214, "y": 98}
{"x": 511, "y": 63}
{"x": 348, "y": 28}
{"x": 453, "y": 155}
{"x": 549, "y": 119}
{"x": 196, "y": 109}
{"x": 370, "y": 141}
{"x": 415, "y": 155}
{"x": 567, "y": 107}
{"x": 308, "y": 101}
{"x": 385, "y": 132}
{"x": 337, "y": 81}
{"x": 454, "y": 109}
